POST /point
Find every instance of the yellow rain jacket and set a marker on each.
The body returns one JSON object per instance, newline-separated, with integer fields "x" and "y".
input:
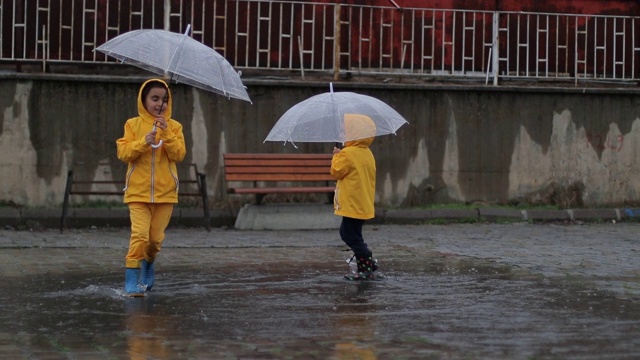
{"x": 354, "y": 168}
{"x": 152, "y": 176}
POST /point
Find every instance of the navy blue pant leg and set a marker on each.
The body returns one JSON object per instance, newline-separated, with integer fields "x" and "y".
{"x": 351, "y": 234}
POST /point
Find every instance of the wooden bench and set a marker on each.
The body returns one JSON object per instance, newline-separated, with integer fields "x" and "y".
{"x": 265, "y": 171}
{"x": 85, "y": 187}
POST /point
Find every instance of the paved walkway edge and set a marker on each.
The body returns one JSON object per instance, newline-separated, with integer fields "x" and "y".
{"x": 88, "y": 217}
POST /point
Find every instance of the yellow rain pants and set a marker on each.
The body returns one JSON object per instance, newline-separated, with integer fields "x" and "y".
{"x": 148, "y": 222}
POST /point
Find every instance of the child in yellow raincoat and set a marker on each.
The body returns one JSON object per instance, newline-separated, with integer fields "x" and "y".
{"x": 151, "y": 146}
{"x": 354, "y": 168}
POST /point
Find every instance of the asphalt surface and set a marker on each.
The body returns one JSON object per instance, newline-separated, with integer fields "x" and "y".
{"x": 459, "y": 291}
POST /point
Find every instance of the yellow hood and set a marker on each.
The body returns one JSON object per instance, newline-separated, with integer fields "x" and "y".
{"x": 359, "y": 130}
{"x": 142, "y": 111}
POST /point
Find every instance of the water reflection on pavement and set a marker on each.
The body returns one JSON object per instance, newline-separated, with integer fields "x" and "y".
{"x": 453, "y": 292}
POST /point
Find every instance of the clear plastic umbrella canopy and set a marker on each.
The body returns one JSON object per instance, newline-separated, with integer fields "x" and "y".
{"x": 322, "y": 118}
{"x": 179, "y": 58}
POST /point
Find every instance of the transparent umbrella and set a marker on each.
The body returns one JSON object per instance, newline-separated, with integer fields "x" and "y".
{"x": 322, "y": 118}
{"x": 179, "y": 58}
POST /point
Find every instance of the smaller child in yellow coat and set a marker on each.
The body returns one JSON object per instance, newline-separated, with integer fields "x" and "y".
{"x": 151, "y": 146}
{"x": 354, "y": 168}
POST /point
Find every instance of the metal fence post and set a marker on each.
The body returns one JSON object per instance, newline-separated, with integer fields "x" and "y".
{"x": 495, "y": 47}
{"x": 167, "y": 14}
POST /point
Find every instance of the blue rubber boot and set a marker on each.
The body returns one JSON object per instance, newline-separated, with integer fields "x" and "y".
{"x": 147, "y": 274}
{"x": 131, "y": 284}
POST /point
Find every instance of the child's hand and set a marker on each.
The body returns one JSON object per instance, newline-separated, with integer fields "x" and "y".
{"x": 150, "y": 138}
{"x": 336, "y": 150}
{"x": 160, "y": 122}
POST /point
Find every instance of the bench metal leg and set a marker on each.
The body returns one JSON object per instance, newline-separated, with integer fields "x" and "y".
{"x": 202, "y": 183}
{"x": 330, "y": 197}
{"x": 65, "y": 202}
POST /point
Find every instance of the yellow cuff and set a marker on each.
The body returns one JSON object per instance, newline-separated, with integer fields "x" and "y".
{"x": 132, "y": 264}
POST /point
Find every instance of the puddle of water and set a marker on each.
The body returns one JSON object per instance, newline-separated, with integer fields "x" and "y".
{"x": 437, "y": 306}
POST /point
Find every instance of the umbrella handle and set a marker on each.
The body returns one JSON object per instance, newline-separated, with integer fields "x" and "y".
{"x": 155, "y": 146}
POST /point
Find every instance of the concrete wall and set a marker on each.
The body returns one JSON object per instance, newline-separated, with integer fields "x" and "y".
{"x": 464, "y": 143}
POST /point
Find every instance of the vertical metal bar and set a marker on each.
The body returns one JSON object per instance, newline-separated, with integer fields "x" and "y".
{"x": 537, "y": 32}
{"x": 48, "y": 53}
{"x": 282, "y": 35}
{"x": 546, "y": 51}
{"x": 423, "y": 37}
{"x": 473, "y": 41}
{"x": 313, "y": 35}
{"x": 71, "y": 29}
{"x": 633, "y": 48}
{"x": 528, "y": 47}
{"x": 336, "y": 42}
{"x": 301, "y": 58}
{"x": 237, "y": 19}
{"x": 595, "y": 48}
{"x": 380, "y": 41}
{"x": 37, "y": 27}
{"x": 518, "y": 46}
{"x": 2, "y": 56}
{"x": 486, "y": 79}
{"x": 323, "y": 36}
{"x": 495, "y": 48}
{"x": 269, "y": 36}
{"x": 166, "y": 15}
{"x": 44, "y": 48}
{"x": 576, "y": 61}
{"x": 433, "y": 41}
{"x": 453, "y": 43}
{"x": 247, "y": 36}
{"x": 464, "y": 41}
{"x": 413, "y": 41}
{"x": 95, "y": 30}
{"x": 370, "y": 39}
{"x": 391, "y": 35}
{"x": 291, "y": 42}
{"x": 443, "y": 41}
{"x": 360, "y": 39}
{"x": 82, "y": 31}
{"x": 558, "y": 46}
{"x": 258, "y": 37}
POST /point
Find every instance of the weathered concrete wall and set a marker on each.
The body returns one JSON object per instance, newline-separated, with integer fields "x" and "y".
{"x": 570, "y": 147}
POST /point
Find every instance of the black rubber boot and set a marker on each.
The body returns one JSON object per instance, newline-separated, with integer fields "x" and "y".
{"x": 365, "y": 266}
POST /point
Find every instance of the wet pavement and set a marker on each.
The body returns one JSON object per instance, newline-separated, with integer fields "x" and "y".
{"x": 457, "y": 291}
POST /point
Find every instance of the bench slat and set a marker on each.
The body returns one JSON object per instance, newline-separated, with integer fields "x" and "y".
{"x": 274, "y": 162}
{"x": 277, "y": 156}
{"x": 276, "y": 170}
{"x": 278, "y": 177}
{"x": 282, "y": 190}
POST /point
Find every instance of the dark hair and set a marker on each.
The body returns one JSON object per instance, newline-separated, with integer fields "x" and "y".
{"x": 152, "y": 85}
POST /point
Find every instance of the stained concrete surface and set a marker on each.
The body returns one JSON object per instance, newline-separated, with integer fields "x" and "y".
{"x": 458, "y": 291}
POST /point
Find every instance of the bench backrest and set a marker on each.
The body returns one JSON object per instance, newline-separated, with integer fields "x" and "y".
{"x": 277, "y": 167}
